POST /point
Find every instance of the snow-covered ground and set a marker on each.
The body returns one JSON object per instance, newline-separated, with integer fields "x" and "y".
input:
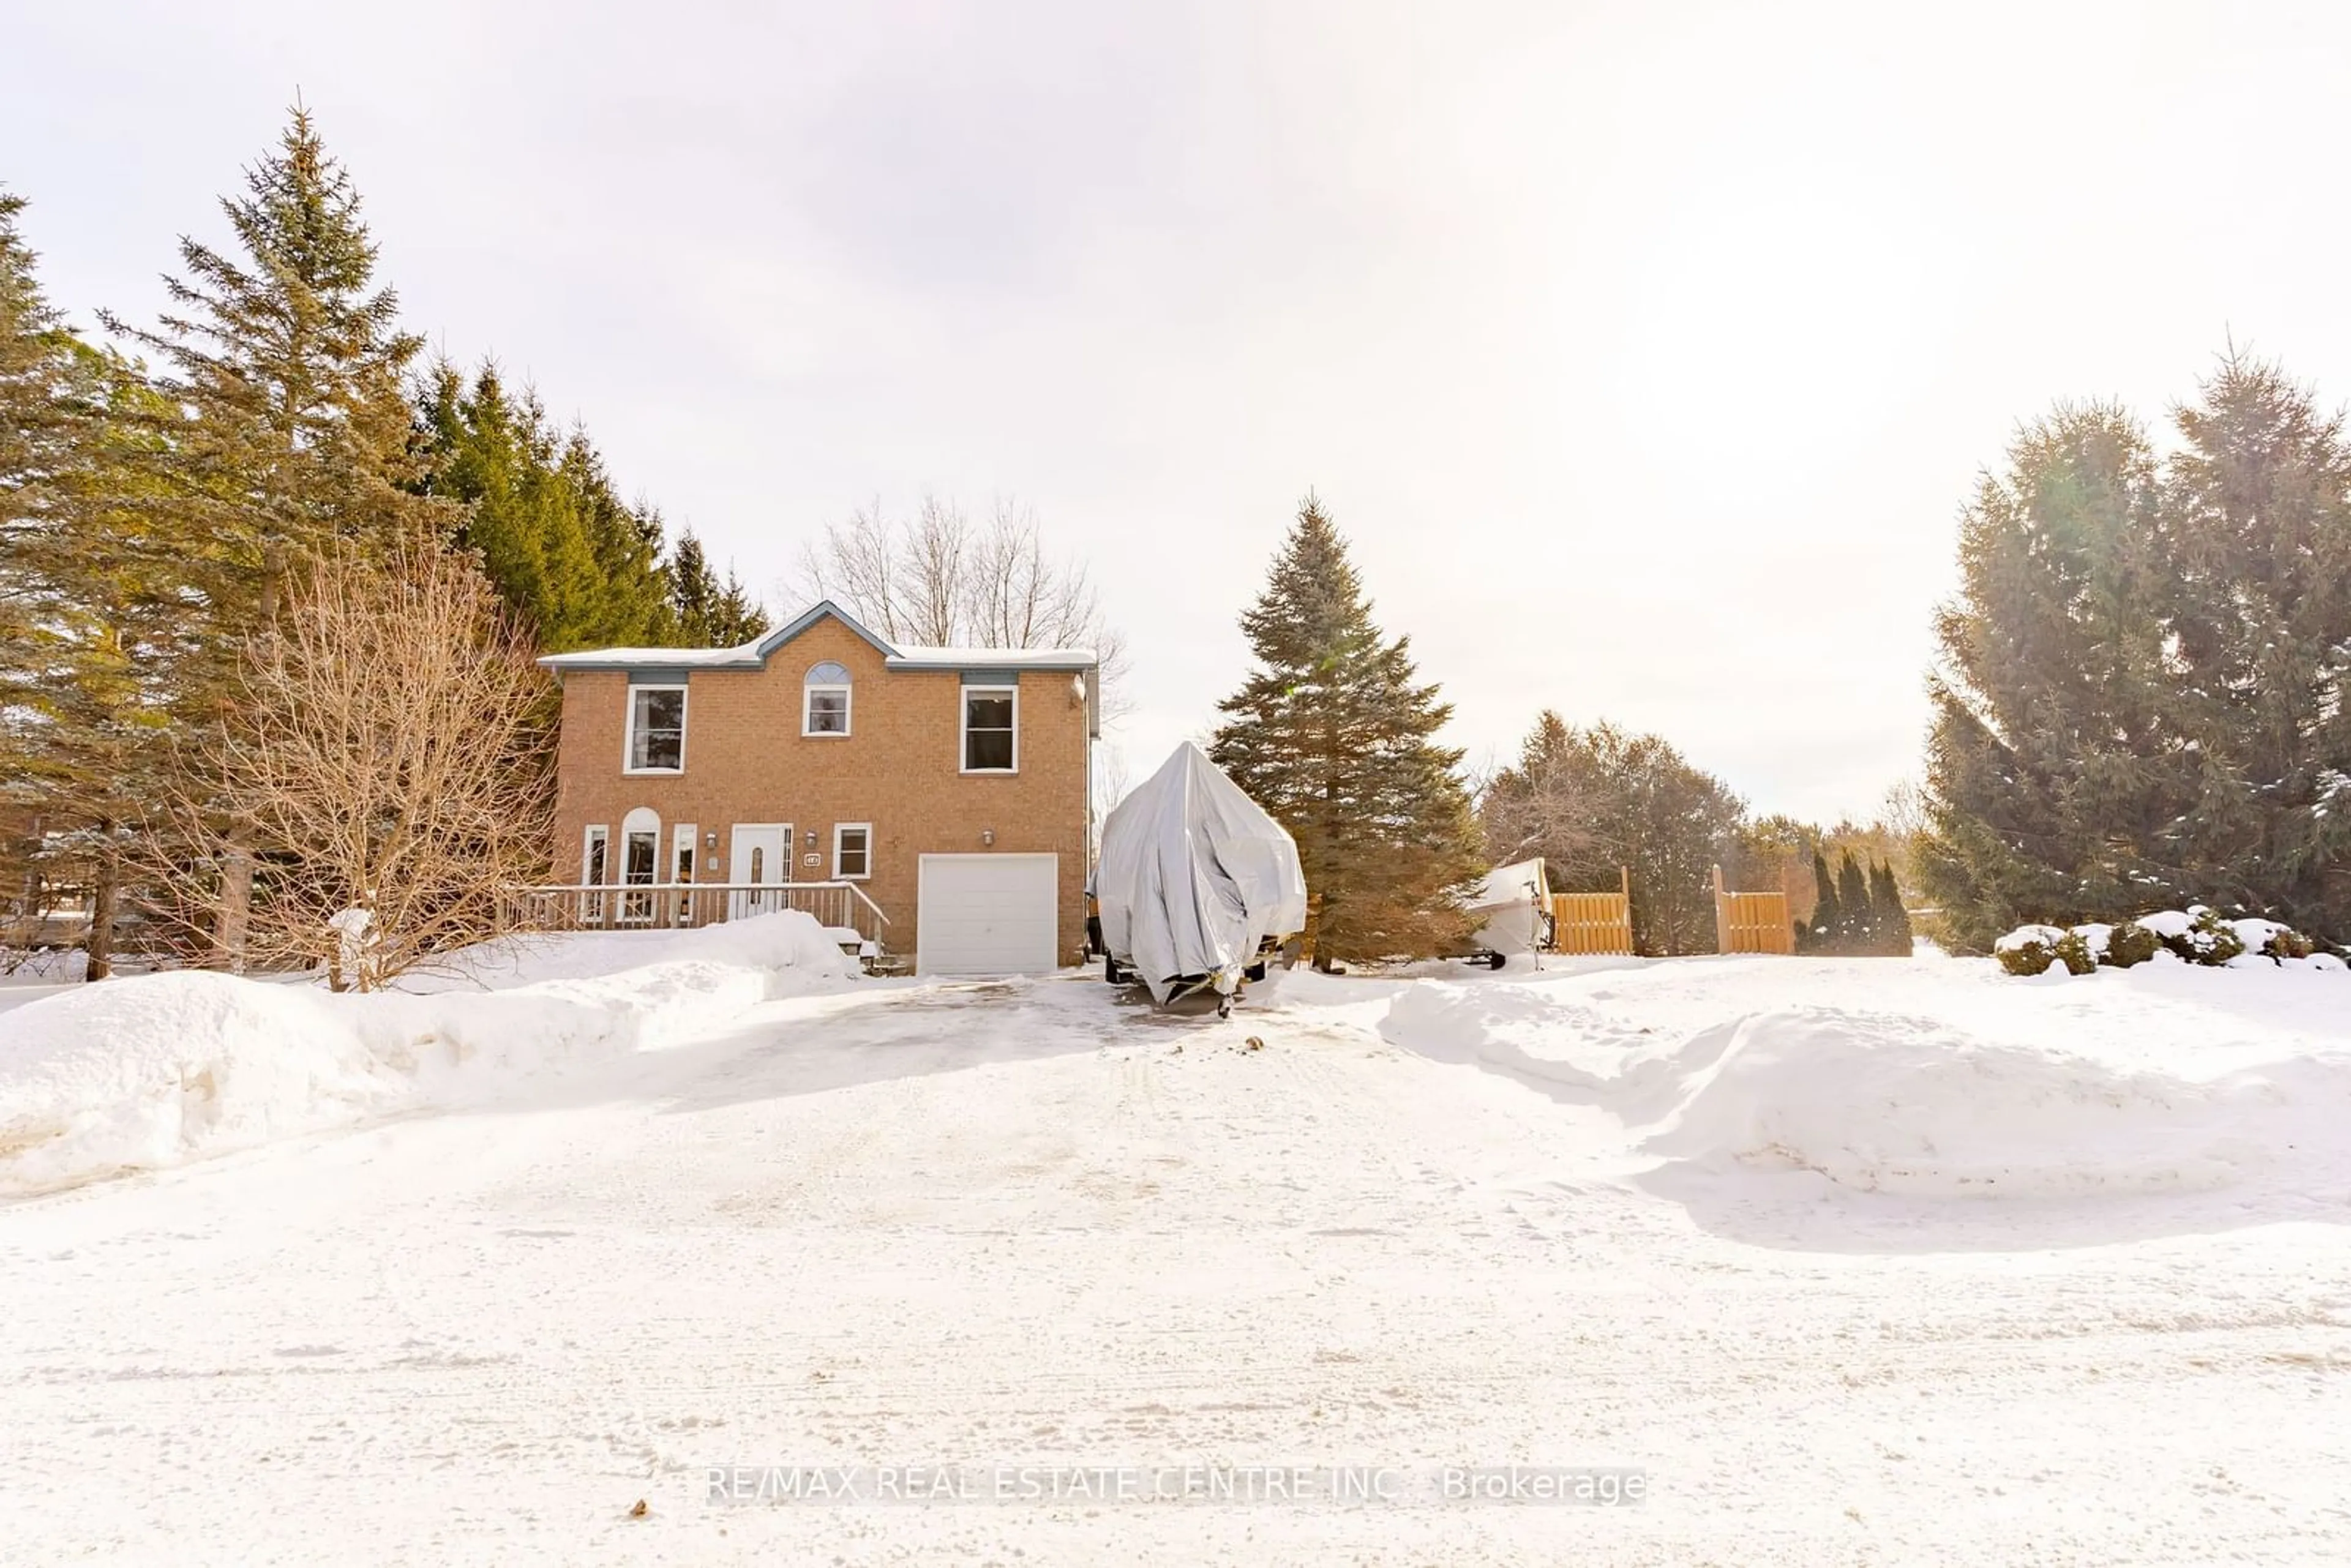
{"x": 1859, "y": 1260}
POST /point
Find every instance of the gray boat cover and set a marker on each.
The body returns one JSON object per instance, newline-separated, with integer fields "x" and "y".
{"x": 1194, "y": 876}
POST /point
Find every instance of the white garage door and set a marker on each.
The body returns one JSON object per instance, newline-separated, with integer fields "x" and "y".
{"x": 988, "y": 915}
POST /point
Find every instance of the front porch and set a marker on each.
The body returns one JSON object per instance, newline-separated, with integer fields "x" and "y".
{"x": 842, "y": 908}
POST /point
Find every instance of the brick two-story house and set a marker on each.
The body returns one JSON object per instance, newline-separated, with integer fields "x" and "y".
{"x": 949, "y": 784}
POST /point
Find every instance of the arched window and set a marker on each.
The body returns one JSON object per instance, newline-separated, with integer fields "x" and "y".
{"x": 640, "y": 862}
{"x": 640, "y": 835}
{"x": 824, "y": 700}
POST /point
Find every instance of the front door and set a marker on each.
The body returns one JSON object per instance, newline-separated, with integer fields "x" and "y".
{"x": 760, "y": 856}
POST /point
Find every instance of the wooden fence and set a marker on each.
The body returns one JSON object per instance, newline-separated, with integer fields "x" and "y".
{"x": 1752, "y": 921}
{"x": 1593, "y": 923}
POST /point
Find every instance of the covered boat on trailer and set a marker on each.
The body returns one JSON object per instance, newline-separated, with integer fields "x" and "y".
{"x": 1514, "y": 915}
{"x": 1196, "y": 889}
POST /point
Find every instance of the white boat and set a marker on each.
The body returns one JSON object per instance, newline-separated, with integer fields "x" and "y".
{"x": 1514, "y": 913}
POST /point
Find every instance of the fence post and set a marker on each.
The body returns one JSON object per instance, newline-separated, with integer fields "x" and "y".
{"x": 1721, "y": 916}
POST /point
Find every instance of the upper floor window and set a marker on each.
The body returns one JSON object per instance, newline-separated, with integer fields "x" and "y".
{"x": 990, "y": 729}
{"x": 824, "y": 700}
{"x": 656, "y": 739}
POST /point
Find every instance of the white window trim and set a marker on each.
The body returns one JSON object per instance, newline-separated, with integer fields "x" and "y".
{"x": 684, "y": 838}
{"x": 629, "y": 730}
{"x": 588, "y": 838}
{"x": 841, "y": 828}
{"x": 848, "y": 712}
{"x": 963, "y": 729}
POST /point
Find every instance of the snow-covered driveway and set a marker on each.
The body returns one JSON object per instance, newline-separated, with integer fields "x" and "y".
{"x": 1021, "y": 1224}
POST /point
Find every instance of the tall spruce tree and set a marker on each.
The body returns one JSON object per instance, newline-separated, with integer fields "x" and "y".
{"x": 290, "y": 424}
{"x": 1333, "y": 735}
{"x": 288, "y": 359}
{"x": 2259, "y": 505}
{"x": 2057, "y": 771}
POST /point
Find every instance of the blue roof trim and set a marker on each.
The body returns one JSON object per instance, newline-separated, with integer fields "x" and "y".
{"x": 657, "y": 675}
{"x": 991, "y": 677}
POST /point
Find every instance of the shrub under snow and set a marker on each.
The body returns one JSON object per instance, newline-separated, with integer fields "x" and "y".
{"x": 2029, "y": 949}
{"x": 2196, "y": 934}
{"x": 2193, "y": 936}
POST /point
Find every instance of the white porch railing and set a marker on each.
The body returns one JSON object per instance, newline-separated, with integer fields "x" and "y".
{"x": 606, "y": 907}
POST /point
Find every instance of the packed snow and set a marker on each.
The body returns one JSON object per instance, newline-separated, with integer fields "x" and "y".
{"x": 1856, "y": 1260}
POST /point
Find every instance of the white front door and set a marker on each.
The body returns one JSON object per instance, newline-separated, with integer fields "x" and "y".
{"x": 759, "y": 853}
{"x": 988, "y": 915}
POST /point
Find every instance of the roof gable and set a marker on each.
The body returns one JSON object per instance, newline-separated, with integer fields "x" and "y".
{"x": 809, "y": 616}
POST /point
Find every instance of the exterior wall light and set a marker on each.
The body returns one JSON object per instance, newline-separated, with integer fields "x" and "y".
{"x": 988, "y": 836}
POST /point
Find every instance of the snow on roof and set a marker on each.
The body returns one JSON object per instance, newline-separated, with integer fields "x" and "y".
{"x": 751, "y": 655}
{"x": 999, "y": 658}
{"x": 746, "y": 654}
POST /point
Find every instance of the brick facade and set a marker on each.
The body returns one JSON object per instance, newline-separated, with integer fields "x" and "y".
{"x": 898, "y": 768}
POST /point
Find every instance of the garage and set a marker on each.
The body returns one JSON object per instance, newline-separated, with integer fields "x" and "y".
{"x": 988, "y": 915}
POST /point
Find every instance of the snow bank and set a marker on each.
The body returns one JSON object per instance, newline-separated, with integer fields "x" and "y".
{"x": 138, "y": 1073}
{"x": 1569, "y": 1052}
{"x": 788, "y": 940}
{"x": 1909, "y": 1106}
{"x": 2024, "y": 1098}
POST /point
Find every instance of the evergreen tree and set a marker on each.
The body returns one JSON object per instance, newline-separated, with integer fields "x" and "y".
{"x": 1854, "y": 907}
{"x": 289, "y": 360}
{"x": 633, "y": 607}
{"x": 43, "y": 396}
{"x": 694, "y": 588}
{"x": 1332, "y": 735}
{"x": 525, "y": 519}
{"x": 710, "y": 612}
{"x": 2057, "y": 774}
{"x": 1825, "y": 933}
{"x": 289, "y": 426}
{"x": 2259, "y": 502}
{"x": 1891, "y": 920}
{"x": 93, "y": 623}
{"x": 2141, "y": 698}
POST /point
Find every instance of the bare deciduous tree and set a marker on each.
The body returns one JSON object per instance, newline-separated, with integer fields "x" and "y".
{"x": 939, "y": 579}
{"x": 390, "y": 751}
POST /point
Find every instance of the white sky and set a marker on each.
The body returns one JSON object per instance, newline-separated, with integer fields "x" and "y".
{"x": 1645, "y": 351}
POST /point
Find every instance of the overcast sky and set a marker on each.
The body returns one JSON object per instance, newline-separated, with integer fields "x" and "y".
{"x": 1645, "y": 351}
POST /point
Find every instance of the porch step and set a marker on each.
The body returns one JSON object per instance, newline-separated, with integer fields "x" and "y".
{"x": 843, "y": 936}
